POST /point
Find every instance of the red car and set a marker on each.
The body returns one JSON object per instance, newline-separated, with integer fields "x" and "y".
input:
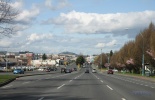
{"x": 110, "y": 71}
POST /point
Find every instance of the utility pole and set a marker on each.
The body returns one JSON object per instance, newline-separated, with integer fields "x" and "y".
{"x": 143, "y": 64}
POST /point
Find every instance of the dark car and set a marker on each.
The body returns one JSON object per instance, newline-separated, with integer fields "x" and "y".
{"x": 18, "y": 71}
{"x": 48, "y": 70}
{"x": 87, "y": 71}
{"x": 68, "y": 70}
{"x": 110, "y": 71}
{"x": 63, "y": 70}
{"x": 75, "y": 69}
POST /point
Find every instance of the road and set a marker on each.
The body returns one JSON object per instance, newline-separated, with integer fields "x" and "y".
{"x": 78, "y": 86}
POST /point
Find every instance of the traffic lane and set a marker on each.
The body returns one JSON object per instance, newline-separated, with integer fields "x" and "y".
{"x": 130, "y": 90}
{"x": 32, "y": 90}
{"x": 83, "y": 87}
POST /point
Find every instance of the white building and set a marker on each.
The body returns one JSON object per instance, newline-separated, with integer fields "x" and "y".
{"x": 47, "y": 62}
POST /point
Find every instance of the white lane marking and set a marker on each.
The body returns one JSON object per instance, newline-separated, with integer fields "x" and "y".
{"x": 70, "y": 80}
{"x": 7, "y": 86}
{"x": 123, "y": 99}
{"x": 25, "y": 82}
{"x": 98, "y": 78}
{"x": 41, "y": 98}
{"x": 109, "y": 87}
{"x": 146, "y": 85}
{"x": 152, "y": 87}
{"x": 101, "y": 81}
{"x": 61, "y": 86}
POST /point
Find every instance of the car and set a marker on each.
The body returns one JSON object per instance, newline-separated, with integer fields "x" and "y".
{"x": 75, "y": 69}
{"x": 48, "y": 70}
{"x": 93, "y": 70}
{"x": 110, "y": 71}
{"x": 87, "y": 71}
{"x": 68, "y": 70}
{"x": 62, "y": 70}
{"x": 18, "y": 71}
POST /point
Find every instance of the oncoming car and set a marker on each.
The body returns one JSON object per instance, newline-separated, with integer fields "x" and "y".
{"x": 110, "y": 71}
{"x": 93, "y": 70}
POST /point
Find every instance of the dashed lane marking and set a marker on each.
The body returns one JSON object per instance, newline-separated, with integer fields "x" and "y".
{"x": 123, "y": 99}
{"x": 25, "y": 82}
{"x": 41, "y": 98}
{"x": 101, "y": 81}
{"x": 109, "y": 87}
{"x": 61, "y": 86}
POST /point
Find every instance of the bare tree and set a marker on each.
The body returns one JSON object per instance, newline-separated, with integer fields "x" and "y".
{"x": 7, "y": 16}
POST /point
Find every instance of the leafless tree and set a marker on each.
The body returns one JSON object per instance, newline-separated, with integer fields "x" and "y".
{"x": 7, "y": 16}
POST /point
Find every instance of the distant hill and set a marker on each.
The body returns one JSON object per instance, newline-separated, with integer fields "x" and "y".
{"x": 67, "y": 53}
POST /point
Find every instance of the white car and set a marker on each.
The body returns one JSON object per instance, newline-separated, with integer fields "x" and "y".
{"x": 93, "y": 70}
{"x": 40, "y": 69}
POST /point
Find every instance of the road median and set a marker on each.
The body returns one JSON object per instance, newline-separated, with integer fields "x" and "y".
{"x": 6, "y": 79}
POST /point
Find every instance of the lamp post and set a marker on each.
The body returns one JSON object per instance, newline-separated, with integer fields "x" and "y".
{"x": 101, "y": 58}
{"x": 6, "y": 61}
{"x": 143, "y": 69}
{"x": 108, "y": 61}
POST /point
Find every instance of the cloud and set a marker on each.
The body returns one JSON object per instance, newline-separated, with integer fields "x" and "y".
{"x": 92, "y": 23}
{"x": 113, "y": 42}
{"x": 17, "y": 5}
{"x": 56, "y": 4}
{"x": 100, "y": 45}
{"x": 5, "y": 43}
{"x": 109, "y": 44}
{"x": 37, "y": 37}
{"x": 28, "y": 16}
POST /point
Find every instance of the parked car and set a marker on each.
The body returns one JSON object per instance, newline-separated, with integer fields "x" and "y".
{"x": 18, "y": 71}
{"x": 62, "y": 70}
{"x": 48, "y": 70}
{"x": 68, "y": 70}
{"x": 93, "y": 70}
{"x": 110, "y": 71}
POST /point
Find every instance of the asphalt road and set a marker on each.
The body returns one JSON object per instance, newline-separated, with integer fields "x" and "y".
{"x": 78, "y": 86}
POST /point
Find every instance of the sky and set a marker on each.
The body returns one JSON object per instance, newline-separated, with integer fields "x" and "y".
{"x": 79, "y": 26}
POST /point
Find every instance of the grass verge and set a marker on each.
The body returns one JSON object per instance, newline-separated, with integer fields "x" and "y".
{"x": 5, "y": 78}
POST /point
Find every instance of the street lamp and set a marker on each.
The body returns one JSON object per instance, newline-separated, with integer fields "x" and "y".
{"x": 101, "y": 58}
{"x": 143, "y": 69}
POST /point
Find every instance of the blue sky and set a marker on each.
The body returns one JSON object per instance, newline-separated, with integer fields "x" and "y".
{"x": 79, "y": 26}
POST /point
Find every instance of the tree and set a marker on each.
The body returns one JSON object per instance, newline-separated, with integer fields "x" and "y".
{"x": 111, "y": 53}
{"x": 7, "y": 16}
{"x": 44, "y": 57}
{"x": 80, "y": 60}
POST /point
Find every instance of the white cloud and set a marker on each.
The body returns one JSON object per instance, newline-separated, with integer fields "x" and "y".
{"x": 56, "y": 4}
{"x": 113, "y": 42}
{"x": 17, "y": 5}
{"x": 92, "y": 23}
{"x": 28, "y": 16}
{"x": 36, "y": 37}
{"x": 100, "y": 45}
{"x": 5, "y": 43}
{"x": 109, "y": 44}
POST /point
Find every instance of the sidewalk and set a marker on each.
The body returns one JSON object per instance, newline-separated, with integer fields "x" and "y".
{"x": 140, "y": 77}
